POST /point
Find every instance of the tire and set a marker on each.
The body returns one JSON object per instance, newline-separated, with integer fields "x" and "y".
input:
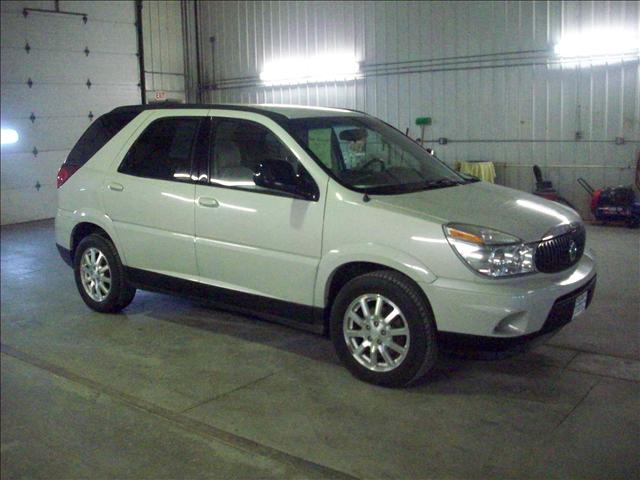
{"x": 119, "y": 293}
{"x": 352, "y": 340}
{"x": 633, "y": 223}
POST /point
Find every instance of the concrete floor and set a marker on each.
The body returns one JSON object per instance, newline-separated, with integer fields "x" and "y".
{"x": 174, "y": 389}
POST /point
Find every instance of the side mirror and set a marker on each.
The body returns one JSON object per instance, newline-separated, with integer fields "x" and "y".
{"x": 279, "y": 175}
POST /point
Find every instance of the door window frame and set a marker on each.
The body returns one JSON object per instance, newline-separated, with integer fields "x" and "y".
{"x": 203, "y": 168}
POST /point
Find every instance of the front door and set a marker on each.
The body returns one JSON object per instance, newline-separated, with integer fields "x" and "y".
{"x": 248, "y": 238}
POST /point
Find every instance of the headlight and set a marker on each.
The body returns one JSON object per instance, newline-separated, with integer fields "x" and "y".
{"x": 490, "y": 252}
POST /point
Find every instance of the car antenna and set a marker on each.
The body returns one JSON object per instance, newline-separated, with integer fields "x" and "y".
{"x": 365, "y": 197}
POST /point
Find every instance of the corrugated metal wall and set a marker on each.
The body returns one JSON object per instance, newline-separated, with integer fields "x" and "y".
{"x": 59, "y": 72}
{"x": 484, "y": 71}
{"x": 163, "y": 49}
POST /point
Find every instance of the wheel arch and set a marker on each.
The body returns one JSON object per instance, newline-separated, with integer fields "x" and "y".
{"x": 331, "y": 280}
{"x": 361, "y": 258}
{"x": 84, "y": 229}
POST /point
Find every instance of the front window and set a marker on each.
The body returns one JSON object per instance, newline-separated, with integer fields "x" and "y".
{"x": 368, "y": 155}
{"x": 239, "y": 147}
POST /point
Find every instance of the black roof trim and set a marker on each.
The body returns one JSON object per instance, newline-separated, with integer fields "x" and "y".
{"x": 277, "y": 117}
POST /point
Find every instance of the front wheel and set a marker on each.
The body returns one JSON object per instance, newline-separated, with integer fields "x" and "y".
{"x": 383, "y": 329}
{"x": 100, "y": 275}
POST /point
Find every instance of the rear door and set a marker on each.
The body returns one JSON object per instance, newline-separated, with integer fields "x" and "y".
{"x": 149, "y": 193}
{"x": 248, "y": 238}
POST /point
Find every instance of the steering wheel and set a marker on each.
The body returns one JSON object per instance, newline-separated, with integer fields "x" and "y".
{"x": 366, "y": 165}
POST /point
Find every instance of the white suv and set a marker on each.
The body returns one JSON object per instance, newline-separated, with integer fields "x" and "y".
{"x": 327, "y": 219}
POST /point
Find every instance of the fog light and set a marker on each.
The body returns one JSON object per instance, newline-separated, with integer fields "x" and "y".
{"x": 514, "y": 324}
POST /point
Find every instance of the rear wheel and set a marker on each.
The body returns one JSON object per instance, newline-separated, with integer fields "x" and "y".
{"x": 633, "y": 223}
{"x": 383, "y": 329}
{"x": 100, "y": 275}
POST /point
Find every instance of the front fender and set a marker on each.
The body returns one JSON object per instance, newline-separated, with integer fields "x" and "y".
{"x": 370, "y": 253}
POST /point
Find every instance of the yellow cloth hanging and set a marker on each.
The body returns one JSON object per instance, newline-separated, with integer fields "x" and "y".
{"x": 483, "y": 170}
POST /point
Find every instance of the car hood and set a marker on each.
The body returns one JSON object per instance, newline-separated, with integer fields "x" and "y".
{"x": 511, "y": 211}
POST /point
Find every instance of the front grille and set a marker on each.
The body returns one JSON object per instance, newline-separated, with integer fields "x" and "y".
{"x": 561, "y": 252}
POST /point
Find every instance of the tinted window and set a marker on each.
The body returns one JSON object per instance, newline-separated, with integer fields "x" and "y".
{"x": 239, "y": 146}
{"x": 163, "y": 150}
{"x": 97, "y": 135}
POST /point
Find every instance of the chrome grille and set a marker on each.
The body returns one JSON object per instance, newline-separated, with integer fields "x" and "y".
{"x": 561, "y": 252}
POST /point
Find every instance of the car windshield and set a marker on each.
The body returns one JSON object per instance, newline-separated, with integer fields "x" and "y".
{"x": 368, "y": 155}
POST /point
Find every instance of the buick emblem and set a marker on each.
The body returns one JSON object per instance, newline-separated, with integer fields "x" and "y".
{"x": 573, "y": 251}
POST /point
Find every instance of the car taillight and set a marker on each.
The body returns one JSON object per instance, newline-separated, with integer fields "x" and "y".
{"x": 65, "y": 173}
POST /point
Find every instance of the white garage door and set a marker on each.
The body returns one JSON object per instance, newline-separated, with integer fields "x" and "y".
{"x": 58, "y": 73}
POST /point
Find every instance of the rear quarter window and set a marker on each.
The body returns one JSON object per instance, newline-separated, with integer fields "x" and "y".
{"x": 97, "y": 136}
{"x": 163, "y": 150}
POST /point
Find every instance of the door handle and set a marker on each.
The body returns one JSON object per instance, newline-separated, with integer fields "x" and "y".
{"x": 208, "y": 202}
{"x": 115, "y": 187}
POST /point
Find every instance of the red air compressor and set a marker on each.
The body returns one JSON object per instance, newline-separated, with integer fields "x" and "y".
{"x": 613, "y": 204}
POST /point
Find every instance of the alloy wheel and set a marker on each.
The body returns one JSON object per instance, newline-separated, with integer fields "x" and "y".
{"x": 95, "y": 274}
{"x": 376, "y": 332}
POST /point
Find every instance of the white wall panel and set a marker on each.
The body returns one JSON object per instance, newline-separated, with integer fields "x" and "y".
{"x": 163, "y": 48}
{"x": 62, "y": 104}
{"x": 484, "y": 71}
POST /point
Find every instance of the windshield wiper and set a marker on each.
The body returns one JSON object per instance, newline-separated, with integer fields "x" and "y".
{"x": 469, "y": 178}
{"x": 442, "y": 183}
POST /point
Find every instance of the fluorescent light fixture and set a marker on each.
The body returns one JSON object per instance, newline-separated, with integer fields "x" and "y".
{"x": 9, "y": 136}
{"x": 325, "y": 68}
{"x": 601, "y": 44}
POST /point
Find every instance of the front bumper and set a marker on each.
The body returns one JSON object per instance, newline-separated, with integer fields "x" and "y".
{"x": 509, "y": 312}
{"x": 561, "y": 313}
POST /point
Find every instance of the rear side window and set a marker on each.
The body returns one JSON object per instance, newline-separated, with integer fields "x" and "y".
{"x": 163, "y": 151}
{"x": 97, "y": 135}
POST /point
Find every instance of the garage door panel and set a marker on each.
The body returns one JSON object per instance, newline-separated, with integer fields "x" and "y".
{"x": 13, "y": 30}
{"x": 59, "y": 32}
{"x": 96, "y": 11}
{"x": 12, "y": 65}
{"x": 18, "y": 101}
{"x": 24, "y": 170}
{"x": 16, "y": 6}
{"x": 44, "y": 66}
{"x": 53, "y": 133}
{"x": 55, "y": 32}
{"x": 114, "y": 68}
{"x": 111, "y": 37}
{"x": 25, "y": 204}
{"x": 103, "y": 11}
{"x": 52, "y": 113}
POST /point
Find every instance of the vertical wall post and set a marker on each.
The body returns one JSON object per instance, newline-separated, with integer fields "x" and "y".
{"x": 143, "y": 86}
{"x": 198, "y": 61}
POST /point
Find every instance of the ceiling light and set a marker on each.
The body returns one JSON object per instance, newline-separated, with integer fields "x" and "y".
{"x": 326, "y": 68}
{"x": 603, "y": 43}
